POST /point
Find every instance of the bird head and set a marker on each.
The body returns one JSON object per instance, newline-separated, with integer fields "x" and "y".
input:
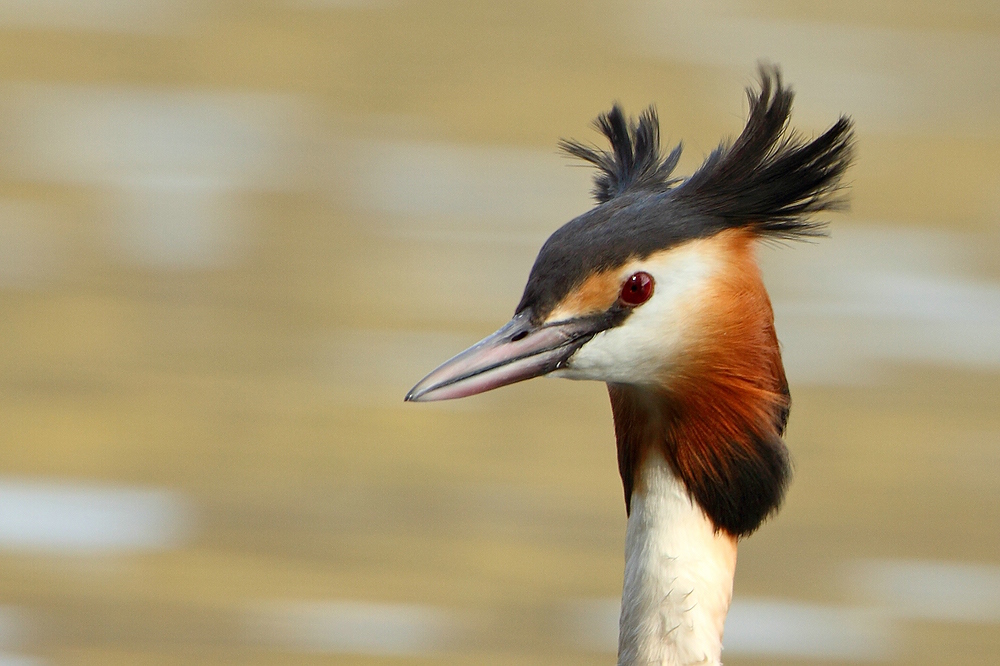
{"x": 656, "y": 291}
{"x": 657, "y": 285}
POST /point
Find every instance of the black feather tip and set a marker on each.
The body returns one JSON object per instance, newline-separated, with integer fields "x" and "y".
{"x": 770, "y": 179}
{"x": 634, "y": 161}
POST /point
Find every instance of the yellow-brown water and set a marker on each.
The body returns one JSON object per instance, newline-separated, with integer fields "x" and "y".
{"x": 233, "y": 234}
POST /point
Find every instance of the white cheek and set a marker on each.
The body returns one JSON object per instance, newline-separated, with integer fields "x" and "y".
{"x": 655, "y": 335}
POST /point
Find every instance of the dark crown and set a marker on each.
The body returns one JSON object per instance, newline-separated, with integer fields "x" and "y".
{"x": 768, "y": 179}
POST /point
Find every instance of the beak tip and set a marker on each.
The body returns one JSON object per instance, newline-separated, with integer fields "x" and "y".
{"x": 415, "y": 394}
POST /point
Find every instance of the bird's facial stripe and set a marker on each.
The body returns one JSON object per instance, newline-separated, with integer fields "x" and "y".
{"x": 660, "y": 338}
{"x": 602, "y": 291}
{"x": 595, "y": 295}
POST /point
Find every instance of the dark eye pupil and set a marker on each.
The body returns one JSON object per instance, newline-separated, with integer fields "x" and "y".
{"x": 637, "y": 289}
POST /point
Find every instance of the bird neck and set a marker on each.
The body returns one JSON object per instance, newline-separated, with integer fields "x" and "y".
{"x": 678, "y": 576}
{"x": 702, "y": 463}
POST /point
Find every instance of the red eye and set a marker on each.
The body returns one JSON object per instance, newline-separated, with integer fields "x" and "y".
{"x": 637, "y": 289}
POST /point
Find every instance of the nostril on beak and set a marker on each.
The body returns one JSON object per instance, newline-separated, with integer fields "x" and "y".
{"x": 520, "y": 335}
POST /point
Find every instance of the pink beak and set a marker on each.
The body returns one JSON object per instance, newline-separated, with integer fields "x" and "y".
{"x": 518, "y": 351}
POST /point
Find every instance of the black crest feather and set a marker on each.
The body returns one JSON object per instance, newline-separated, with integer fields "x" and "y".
{"x": 769, "y": 178}
{"x": 634, "y": 161}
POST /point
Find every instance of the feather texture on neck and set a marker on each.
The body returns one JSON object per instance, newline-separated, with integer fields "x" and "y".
{"x": 678, "y": 576}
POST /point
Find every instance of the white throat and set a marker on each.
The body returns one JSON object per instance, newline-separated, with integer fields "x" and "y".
{"x": 678, "y": 576}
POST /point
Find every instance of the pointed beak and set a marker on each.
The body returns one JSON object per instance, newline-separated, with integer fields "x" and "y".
{"x": 518, "y": 351}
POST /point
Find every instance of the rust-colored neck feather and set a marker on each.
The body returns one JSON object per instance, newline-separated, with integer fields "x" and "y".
{"x": 719, "y": 418}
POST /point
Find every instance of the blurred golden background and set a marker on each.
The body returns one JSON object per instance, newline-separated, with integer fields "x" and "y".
{"x": 233, "y": 234}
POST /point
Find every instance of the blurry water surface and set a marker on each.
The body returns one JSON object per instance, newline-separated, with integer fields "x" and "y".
{"x": 233, "y": 234}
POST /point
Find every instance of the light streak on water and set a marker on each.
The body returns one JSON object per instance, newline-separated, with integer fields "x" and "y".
{"x": 350, "y": 627}
{"x": 64, "y": 518}
{"x": 930, "y": 590}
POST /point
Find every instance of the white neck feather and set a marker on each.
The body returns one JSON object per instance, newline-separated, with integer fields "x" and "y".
{"x": 678, "y": 576}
